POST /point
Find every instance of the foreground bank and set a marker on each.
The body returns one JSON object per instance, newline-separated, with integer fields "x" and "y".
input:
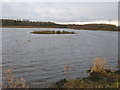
{"x": 99, "y": 77}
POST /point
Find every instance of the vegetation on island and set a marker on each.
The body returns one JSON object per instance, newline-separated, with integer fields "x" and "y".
{"x": 37, "y": 24}
{"x": 99, "y": 77}
{"x": 52, "y": 32}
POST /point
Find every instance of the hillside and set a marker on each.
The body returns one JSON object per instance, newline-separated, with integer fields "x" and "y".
{"x": 27, "y": 23}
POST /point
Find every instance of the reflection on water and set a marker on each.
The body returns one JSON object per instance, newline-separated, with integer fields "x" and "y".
{"x": 40, "y": 59}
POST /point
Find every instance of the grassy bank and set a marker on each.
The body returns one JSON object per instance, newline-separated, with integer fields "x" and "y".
{"x": 99, "y": 77}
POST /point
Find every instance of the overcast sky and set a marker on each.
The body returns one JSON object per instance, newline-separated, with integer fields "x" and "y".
{"x": 61, "y": 12}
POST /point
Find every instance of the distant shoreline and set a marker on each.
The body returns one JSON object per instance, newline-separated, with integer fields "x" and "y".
{"x": 24, "y": 27}
{"x": 54, "y": 27}
{"x": 10, "y": 23}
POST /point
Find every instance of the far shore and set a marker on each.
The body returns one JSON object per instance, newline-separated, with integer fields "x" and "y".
{"x": 54, "y": 27}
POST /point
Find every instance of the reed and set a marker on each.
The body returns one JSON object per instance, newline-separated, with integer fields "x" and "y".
{"x": 98, "y": 66}
{"x": 11, "y": 82}
{"x": 67, "y": 72}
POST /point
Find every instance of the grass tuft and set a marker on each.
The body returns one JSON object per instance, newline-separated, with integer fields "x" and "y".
{"x": 13, "y": 83}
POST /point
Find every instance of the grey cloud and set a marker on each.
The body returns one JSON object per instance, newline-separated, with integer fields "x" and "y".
{"x": 60, "y": 12}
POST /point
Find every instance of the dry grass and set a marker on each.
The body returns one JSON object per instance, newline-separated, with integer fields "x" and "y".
{"x": 98, "y": 66}
{"x": 83, "y": 84}
{"x": 67, "y": 71}
{"x": 12, "y": 83}
{"x": 100, "y": 77}
{"x": 77, "y": 84}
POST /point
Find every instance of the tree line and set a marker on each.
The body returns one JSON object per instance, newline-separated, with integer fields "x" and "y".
{"x": 18, "y": 22}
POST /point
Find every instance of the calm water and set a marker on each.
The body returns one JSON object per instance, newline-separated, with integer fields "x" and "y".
{"x": 40, "y": 59}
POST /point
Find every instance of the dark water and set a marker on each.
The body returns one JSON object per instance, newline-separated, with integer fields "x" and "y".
{"x": 40, "y": 59}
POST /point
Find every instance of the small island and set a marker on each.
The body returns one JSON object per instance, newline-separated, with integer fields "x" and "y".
{"x": 52, "y": 32}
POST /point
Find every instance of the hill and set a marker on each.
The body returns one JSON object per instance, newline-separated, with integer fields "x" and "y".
{"x": 38, "y": 24}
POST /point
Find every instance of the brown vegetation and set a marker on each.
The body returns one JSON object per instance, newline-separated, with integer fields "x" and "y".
{"x": 12, "y": 83}
{"x": 52, "y": 32}
{"x": 99, "y": 77}
{"x": 67, "y": 71}
{"x": 98, "y": 66}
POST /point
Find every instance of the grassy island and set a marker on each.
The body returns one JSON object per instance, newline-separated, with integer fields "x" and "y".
{"x": 52, "y": 32}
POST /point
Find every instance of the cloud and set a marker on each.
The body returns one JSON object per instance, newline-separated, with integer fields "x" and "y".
{"x": 60, "y": 1}
{"x": 61, "y": 11}
{"x": 114, "y": 22}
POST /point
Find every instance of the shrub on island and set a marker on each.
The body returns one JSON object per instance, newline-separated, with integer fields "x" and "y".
{"x": 52, "y": 32}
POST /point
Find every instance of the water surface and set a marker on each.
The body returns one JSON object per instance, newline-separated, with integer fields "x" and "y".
{"x": 40, "y": 59}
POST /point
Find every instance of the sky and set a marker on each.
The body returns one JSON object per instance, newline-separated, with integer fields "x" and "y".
{"x": 62, "y": 12}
